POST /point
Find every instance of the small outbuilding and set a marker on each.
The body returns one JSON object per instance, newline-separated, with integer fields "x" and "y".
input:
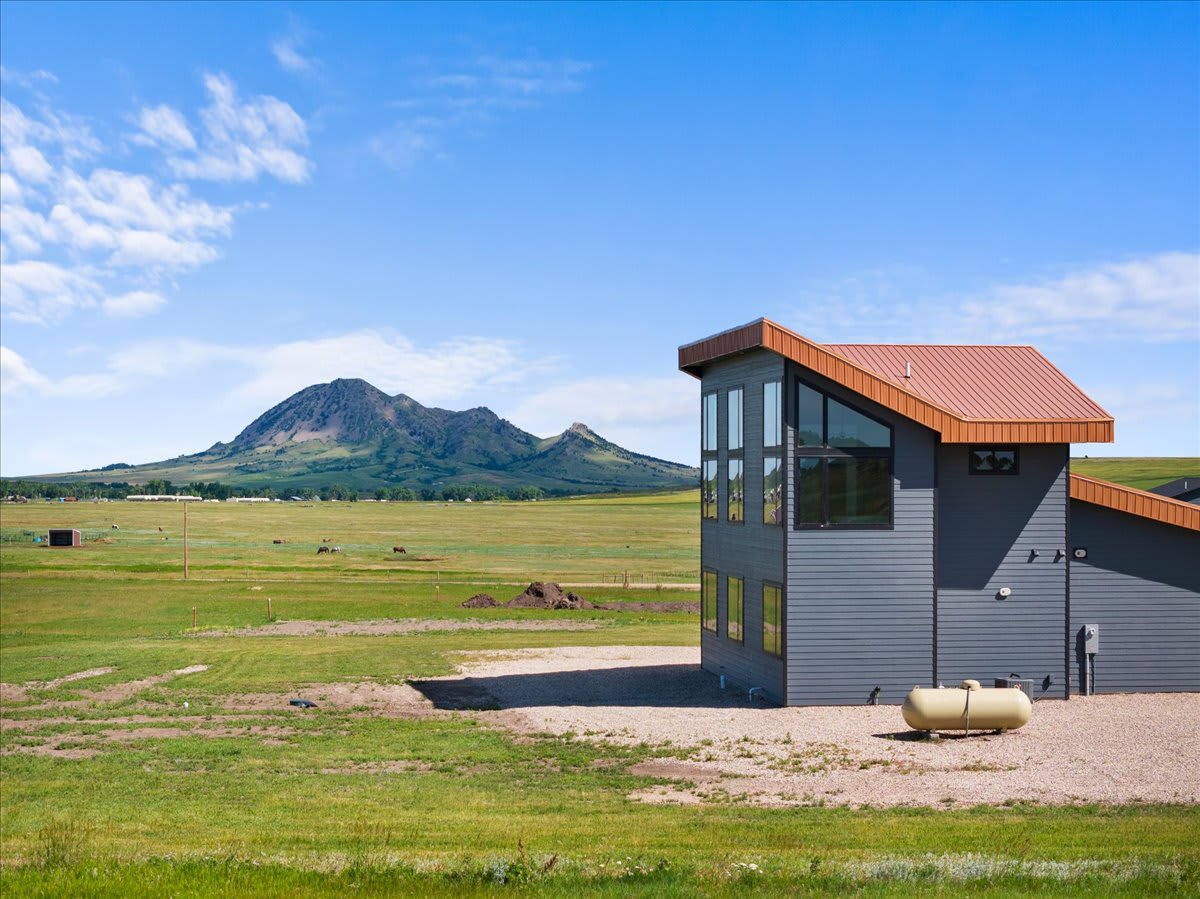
{"x": 64, "y": 537}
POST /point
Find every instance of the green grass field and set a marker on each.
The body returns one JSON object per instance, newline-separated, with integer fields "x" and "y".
{"x": 166, "y": 800}
{"x": 1140, "y": 473}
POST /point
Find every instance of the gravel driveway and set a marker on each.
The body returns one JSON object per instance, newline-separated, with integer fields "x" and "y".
{"x": 1109, "y": 749}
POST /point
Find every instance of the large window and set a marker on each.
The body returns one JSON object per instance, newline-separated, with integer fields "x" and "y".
{"x": 992, "y": 460}
{"x": 736, "y": 502}
{"x": 708, "y": 489}
{"x": 772, "y": 619}
{"x": 708, "y": 600}
{"x": 843, "y": 464}
{"x": 772, "y": 453}
{"x": 733, "y": 608}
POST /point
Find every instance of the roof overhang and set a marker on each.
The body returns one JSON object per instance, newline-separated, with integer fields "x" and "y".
{"x": 1135, "y": 502}
{"x": 953, "y": 428}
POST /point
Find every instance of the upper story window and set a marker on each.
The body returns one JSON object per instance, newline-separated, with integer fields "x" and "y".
{"x": 708, "y": 423}
{"x": 736, "y": 493}
{"x": 735, "y": 439}
{"x": 708, "y": 489}
{"x": 772, "y": 414}
{"x": 843, "y": 464}
{"x": 992, "y": 460}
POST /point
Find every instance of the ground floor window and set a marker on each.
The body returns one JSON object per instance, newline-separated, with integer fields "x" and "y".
{"x": 772, "y": 619}
{"x": 733, "y": 608}
{"x": 708, "y": 600}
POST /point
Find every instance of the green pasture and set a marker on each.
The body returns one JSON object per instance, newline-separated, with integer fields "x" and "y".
{"x": 1141, "y": 473}
{"x": 286, "y": 803}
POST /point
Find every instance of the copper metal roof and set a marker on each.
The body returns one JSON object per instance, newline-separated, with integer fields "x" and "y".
{"x": 965, "y": 393}
{"x": 1135, "y": 502}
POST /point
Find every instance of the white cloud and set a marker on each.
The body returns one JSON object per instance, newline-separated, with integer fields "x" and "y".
{"x": 243, "y": 140}
{"x": 166, "y": 127}
{"x": 39, "y": 292}
{"x": 134, "y": 304}
{"x": 18, "y": 376}
{"x": 286, "y": 51}
{"x": 1153, "y": 299}
{"x": 27, "y": 79}
{"x": 29, "y": 163}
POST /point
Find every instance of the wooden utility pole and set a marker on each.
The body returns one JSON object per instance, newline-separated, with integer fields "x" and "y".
{"x": 185, "y": 541}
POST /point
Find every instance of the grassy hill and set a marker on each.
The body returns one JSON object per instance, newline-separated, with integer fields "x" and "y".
{"x": 1142, "y": 473}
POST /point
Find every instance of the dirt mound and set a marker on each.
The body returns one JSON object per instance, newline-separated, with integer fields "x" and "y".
{"x": 547, "y": 595}
{"x": 481, "y": 601}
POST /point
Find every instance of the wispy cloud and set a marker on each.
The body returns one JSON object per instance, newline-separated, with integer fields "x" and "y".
{"x": 241, "y": 139}
{"x": 450, "y": 98}
{"x": 289, "y": 50}
{"x": 27, "y": 79}
{"x": 1153, "y": 299}
{"x": 75, "y": 235}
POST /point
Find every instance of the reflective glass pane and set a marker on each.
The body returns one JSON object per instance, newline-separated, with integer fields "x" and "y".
{"x": 989, "y": 460}
{"x": 772, "y": 491}
{"x": 733, "y": 608}
{"x": 708, "y": 489}
{"x": 708, "y": 600}
{"x": 772, "y": 413}
{"x": 810, "y": 428}
{"x": 737, "y": 498}
{"x": 810, "y": 492}
{"x": 734, "y": 407}
{"x": 772, "y": 615}
{"x": 860, "y": 491}
{"x": 708, "y": 422}
{"x": 850, "y": 428}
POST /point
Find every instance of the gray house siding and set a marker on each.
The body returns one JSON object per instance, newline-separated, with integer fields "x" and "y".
{"x": 751, "y": 550}
{"x": 989, "y": 529}
{"x": 1140, "y": 583}
{"x": 860, "y": 602}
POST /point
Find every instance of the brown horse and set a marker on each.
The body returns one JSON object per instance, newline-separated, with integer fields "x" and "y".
{"x": 399, "y": 549}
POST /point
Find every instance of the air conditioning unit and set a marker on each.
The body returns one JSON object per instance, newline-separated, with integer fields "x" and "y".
{"x": 1020, "y": 683}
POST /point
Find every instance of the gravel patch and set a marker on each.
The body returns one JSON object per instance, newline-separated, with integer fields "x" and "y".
{"x": 1103, "y": 749}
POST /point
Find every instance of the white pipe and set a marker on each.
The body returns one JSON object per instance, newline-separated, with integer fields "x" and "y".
{"x": 750, "y": 693}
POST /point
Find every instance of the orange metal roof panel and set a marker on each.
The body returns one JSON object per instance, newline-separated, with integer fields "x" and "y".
{"x": 965, "y": 393}
{"x": 1135, "y": 502}
{"x": 1009, "y": 382}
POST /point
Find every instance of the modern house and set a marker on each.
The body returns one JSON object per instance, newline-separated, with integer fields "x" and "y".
{"x": 880, "y": 516}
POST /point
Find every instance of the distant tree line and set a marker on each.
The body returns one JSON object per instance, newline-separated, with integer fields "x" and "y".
{"x": 85, "y": 490}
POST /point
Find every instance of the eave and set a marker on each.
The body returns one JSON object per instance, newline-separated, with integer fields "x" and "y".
{"x": 1135, "y": 502}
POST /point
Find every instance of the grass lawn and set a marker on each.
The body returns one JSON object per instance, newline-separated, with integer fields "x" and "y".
{"x": 1140, "y": 473}
{"x": 145, "y": 796}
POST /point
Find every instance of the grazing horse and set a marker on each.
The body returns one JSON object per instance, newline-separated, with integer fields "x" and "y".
{"x": 116, "y": 527}
{"x": 335, "y": 549}
{"x": 322, "y": 549}
{"x": 277, "y": 542}
{"x": 326, "y": 539}
{"x": 399, "y": 549}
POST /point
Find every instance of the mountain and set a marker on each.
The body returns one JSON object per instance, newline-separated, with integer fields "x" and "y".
{"x": 351, "y": 433}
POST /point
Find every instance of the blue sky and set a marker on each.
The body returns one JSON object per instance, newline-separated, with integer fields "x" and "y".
{"x": 207, "y": 207}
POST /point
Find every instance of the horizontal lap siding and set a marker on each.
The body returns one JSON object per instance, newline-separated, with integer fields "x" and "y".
{"x": 987, "y": 528}
{"x": 860, "y": 602}
{"x": 752, "y": 551}
{"x": 1140, "y": 583}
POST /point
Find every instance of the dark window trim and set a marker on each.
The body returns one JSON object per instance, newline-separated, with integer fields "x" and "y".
{"x": 825, "y": 453}
{"x": 704, "y": 395}
{"x": 779, "y": 629}
{"x": 972, "y": 448}
{"x": 774, "y": 447}
{"x": 716, "y": 503}
{"x": 777, "y": 456}
{"x": 737, "y": 521}
{"x": 735, "y": 453}
{"x": 742, "y": 623}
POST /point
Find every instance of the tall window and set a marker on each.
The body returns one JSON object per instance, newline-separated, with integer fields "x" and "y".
{"x": 773, "y": 452}
{"x": 843, "y": 464}
{"x": 737, "y": 495}
{"x": 772, "y": 619}
{"x": 733, "y": 608}
{"x": 708, "y": 453}
{"x": 708, "y": 489}
{"x": 708, "y": 600}
{"x": 736, "y": 420}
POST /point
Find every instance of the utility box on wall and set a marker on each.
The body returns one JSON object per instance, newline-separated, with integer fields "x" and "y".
{"x": 64, "y": 537}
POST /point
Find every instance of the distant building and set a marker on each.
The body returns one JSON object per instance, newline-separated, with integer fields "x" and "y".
{"x": 880, "y": 516}
{"x": 64, "y": 537}
{"x": 161, "y": 498}
{"x": 248, "y": 499}
{"x": 1183, "y": 489}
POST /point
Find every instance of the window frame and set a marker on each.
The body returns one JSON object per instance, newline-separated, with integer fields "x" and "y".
{"x": 973, "y": 448}
{"x": 778, "y": 649}
{"x": 778, "y": 460}
{"x": 704, "y": 572}
{"x": 778, "y": 417}
{"x": 710, "y": 455}
{"x": 741, "y": 463}
{"x": 741, "y": 617}
{"x": 739, "y": 389}
{"x": 705, "y": 504}
{"x": 825, "y": 453}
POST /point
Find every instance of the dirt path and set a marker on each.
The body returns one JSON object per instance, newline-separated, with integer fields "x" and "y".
{"x": 1109, "y": 749}
{"x": 302, "y": 628}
